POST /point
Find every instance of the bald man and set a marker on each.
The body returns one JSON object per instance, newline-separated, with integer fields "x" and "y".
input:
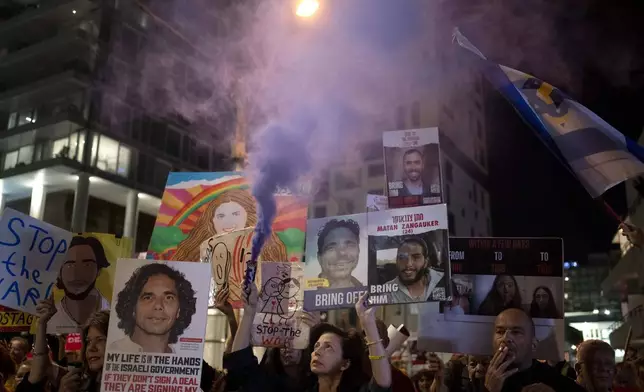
{"x": 512, "y": 367}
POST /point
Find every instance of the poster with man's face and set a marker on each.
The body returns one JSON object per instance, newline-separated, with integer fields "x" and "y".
{"x": 336, "y": 270}
{"x": 157, "y": 325}
{"x": 84, "y": 283}
{"x": 408, "y": 255}
{"x": 489, "y": 276}
{"x": 412, "y": 167}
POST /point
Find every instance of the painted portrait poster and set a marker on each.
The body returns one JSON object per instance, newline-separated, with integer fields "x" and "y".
{"x": 198, "y": 206}
{"x": 85, "y": 280}
{"x": 490, "y": 275}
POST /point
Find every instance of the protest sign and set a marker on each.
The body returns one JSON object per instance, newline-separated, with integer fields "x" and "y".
{"x": 490, "y": 275}
{"x": 227, "y": 255}
{"x": 14, "y": 321}
{"x": 336, "y": 268}
{"x": 197, "y": 206}
{"x": 280, "y": 303}
{"x": 412, "y": 167}
{"x": 376, "y": 203}
{"x": 408, "y": 255}
{"x": 84, "y": 283}
{"x": 73, "y": 342}
{"x": 31, "y": 253}
{"x": 157, "y": 328}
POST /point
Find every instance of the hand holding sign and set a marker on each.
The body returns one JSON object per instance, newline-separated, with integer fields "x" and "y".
{"x": 366, "y": 313}
{"x": 222, "y": 303}
{"x": 45, "y": 310}
{"x": 31, "y": 253}
{"x": 250, "y": 300}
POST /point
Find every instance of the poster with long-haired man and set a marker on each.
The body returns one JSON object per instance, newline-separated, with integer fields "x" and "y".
{"x": 157, "y": 325}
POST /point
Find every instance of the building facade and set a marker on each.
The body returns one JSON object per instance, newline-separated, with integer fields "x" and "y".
{"x": 82, "y": 145}
{"x": 626, "y": 276}
{"x": 78, "y": 147}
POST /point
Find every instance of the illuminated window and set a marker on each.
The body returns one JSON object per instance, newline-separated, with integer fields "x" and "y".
{"x": 69, "y": 147}
{"x": 10, "y": 160}
{"x": 110, "y": 156}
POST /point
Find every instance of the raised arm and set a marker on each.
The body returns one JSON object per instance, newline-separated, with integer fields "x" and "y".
{"x": 381, "y": 369}
{"x": 45, "y": 310}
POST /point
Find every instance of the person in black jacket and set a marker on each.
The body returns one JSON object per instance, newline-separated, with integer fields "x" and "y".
{"x": 512, "y": 367}
{"x": 336, "y": 355}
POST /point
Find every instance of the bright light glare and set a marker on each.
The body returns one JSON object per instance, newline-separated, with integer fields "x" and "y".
{"x": 73, "y": 11}
{"x": 307, "y": 8}
{"x": 606, "y": 312}
{"x": 595, "y": 311}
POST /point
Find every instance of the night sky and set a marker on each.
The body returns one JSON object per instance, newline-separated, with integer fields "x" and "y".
{"x": 595, "y": 59}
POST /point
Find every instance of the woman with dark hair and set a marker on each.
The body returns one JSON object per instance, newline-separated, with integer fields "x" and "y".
{"x": 431, "y": 379}
{"x": 290, "y": 367}
{"x": 543, "y": 304}
{"x": 336, "y": 356}
{"x": 503, "y": 295}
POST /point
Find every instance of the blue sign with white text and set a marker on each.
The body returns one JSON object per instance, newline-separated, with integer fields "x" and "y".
{"x": 31, "y": 254}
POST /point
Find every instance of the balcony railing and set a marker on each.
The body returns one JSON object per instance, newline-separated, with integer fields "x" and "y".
{"x": 619, "y": 330}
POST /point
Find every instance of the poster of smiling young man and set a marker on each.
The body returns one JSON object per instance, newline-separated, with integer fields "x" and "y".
{"x": 408, "y": 255}
{"x": 336, "y": 269}
{"x": 157, "y": 325}
{"x": 84, "y": 283}
{"x": 412, "y": 167}
{"x": 489, "y": 276}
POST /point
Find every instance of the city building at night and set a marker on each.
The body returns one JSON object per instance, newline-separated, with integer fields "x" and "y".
{"x": 626, "y": 276}
{"x": 78, "y": 147}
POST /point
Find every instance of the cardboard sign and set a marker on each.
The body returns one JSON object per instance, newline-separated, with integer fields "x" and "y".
{"x": 277, "y": 323}
{"x": 157, "y": 326}
{"x": 490, "y": 275}
{"x": 14, "y": 321}
{"x": 73, "y": 342}
{"x": 227, "y": 255}
{"x": 412, "y": 167}
{"x": 408, "y": 255}
{"x": 85, "y": 280}
{"x": 31, "y": 253}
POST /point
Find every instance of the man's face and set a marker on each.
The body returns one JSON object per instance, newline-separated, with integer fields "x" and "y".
{"x": 18, "y": 351}
{"x": 603, "y": 369}
{"x": 157, "y": 307}
{"x": 80, "y": 270}
{"x": 326, "y": 358}
{"x": 513, "y": 330}
{"x": 413, "y": 166}
{"x": 411, "y": 263}
{"x": 339, "y": 253}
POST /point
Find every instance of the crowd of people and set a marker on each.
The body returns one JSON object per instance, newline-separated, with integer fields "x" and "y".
{"x": 336, "y": 360}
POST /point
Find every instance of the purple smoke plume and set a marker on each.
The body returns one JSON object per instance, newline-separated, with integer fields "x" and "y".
{"x": 272, "y": 171}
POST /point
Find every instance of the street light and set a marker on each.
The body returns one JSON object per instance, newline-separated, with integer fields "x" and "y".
{"x": 306, "y": 8}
